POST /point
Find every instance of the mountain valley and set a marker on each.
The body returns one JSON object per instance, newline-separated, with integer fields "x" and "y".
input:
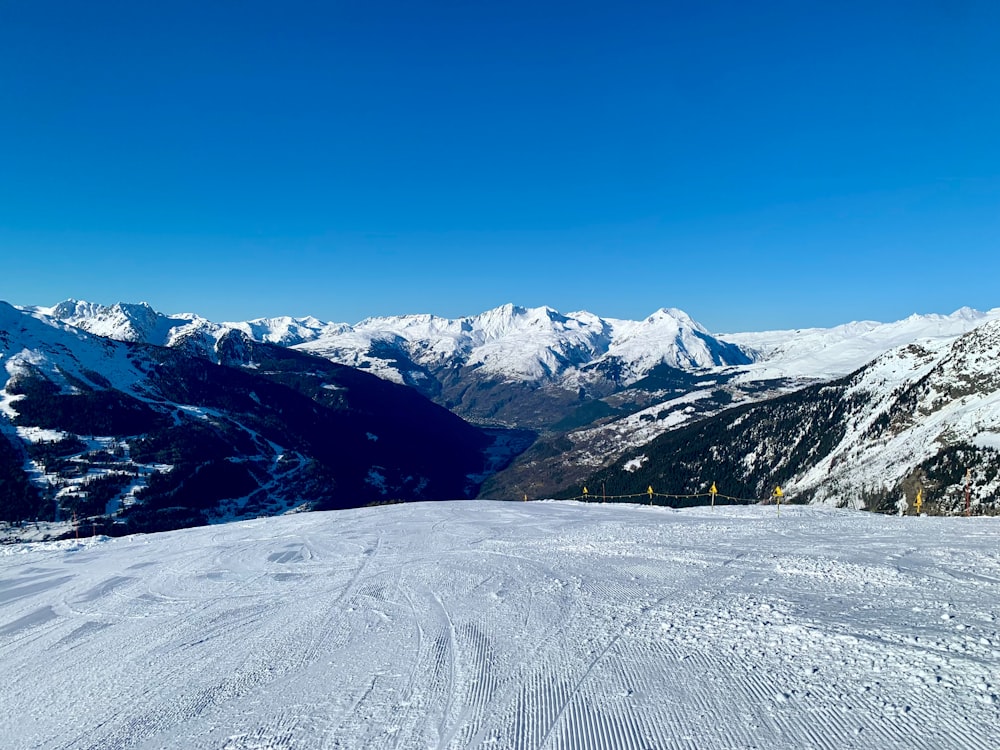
{"x": 125, "y": 415}
{"x": 136, "y": 437}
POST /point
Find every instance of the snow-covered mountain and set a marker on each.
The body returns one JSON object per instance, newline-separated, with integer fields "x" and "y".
{"x": 598, "y": 388}
{"x": 510, "y": 364}
{"x": 510, "y": 342}
{"x": 824, "y": 353}
{"x": 141, "y": 323}
{"x": 601, "y": 431}
{"x": 535, "y": 346}
{"x": 917, "y": 416}
{"x": 153, "y": 437}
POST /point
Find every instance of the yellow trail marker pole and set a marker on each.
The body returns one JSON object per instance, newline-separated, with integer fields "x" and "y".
{"x": 713, "y": 492}
{"x": 920, "y": 499}
{"x": 649, "y": 491}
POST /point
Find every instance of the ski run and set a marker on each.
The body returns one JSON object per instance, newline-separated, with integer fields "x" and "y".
{"x": 510, "y": 625}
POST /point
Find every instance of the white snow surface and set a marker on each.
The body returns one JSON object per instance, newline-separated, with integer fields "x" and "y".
{"x": 141, "y": 323}
{"x": 833, "y": 352}
{"x": 510, "y": 625}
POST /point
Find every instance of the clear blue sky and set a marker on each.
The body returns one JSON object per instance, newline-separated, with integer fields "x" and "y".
{"x": 757, "y": 164}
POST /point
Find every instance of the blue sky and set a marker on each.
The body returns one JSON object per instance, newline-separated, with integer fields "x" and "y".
{"x": 757, "y": 164}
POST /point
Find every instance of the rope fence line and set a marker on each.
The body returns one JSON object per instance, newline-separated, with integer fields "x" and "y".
{"x": 664, "y": 495}
{"x": 777, "y": 495}
{"x": 720, "y": 496}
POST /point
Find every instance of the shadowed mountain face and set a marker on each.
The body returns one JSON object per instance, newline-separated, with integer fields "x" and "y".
{"x": 150, "y": 437}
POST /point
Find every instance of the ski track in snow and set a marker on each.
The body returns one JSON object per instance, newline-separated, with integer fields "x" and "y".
{"x": 510, "y": 625}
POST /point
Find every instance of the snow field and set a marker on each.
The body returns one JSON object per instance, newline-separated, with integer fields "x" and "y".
{"x": 510, "y": 625}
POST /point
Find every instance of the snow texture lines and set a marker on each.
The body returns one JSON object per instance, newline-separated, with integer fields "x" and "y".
{"x": 542, "y": 626}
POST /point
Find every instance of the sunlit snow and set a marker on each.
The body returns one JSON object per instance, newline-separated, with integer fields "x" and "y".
{"x": 833, "y": 352}
{"x": 510, "y": 625}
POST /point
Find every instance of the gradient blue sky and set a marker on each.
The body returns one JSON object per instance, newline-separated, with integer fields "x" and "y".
{"x": 757, "y": 164}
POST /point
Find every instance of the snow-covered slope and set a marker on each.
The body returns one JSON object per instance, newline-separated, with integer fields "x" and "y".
{"x": 822, "y": 353}
{"x": 919, "y": 402}
{"x": 37, "y": 343}
{"x": 916, "y": 417}
{"x": 539, "y": 626}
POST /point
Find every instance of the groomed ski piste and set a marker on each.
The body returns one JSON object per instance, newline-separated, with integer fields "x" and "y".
{"x": 510, "y": 625}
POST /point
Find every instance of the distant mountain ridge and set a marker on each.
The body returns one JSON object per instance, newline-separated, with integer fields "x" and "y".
{"x": 140, "y": 323}
{"x": 531, "y": 367}
{"x": 531, "y": 344}
{"x": 516, "y": 366}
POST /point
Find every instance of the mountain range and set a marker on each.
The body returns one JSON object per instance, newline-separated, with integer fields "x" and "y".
{"x": 531, "y": 345}
{"x": 597, "y": 399}
{"x": 511, "y": 365}
{"x": 151, "y": 437}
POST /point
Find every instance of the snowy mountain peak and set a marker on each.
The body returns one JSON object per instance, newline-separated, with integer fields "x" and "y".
{"x": 674, "y": 316}
{"x": 961, "y": 314}
{"x": 122, "y": 321}
{"x": 499, "y": 321}
{"x": 141, "y": 318}
{"x": 669, "y": 336}
{"x": 967, "y": 313}
{"x": 70, "y": 308}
